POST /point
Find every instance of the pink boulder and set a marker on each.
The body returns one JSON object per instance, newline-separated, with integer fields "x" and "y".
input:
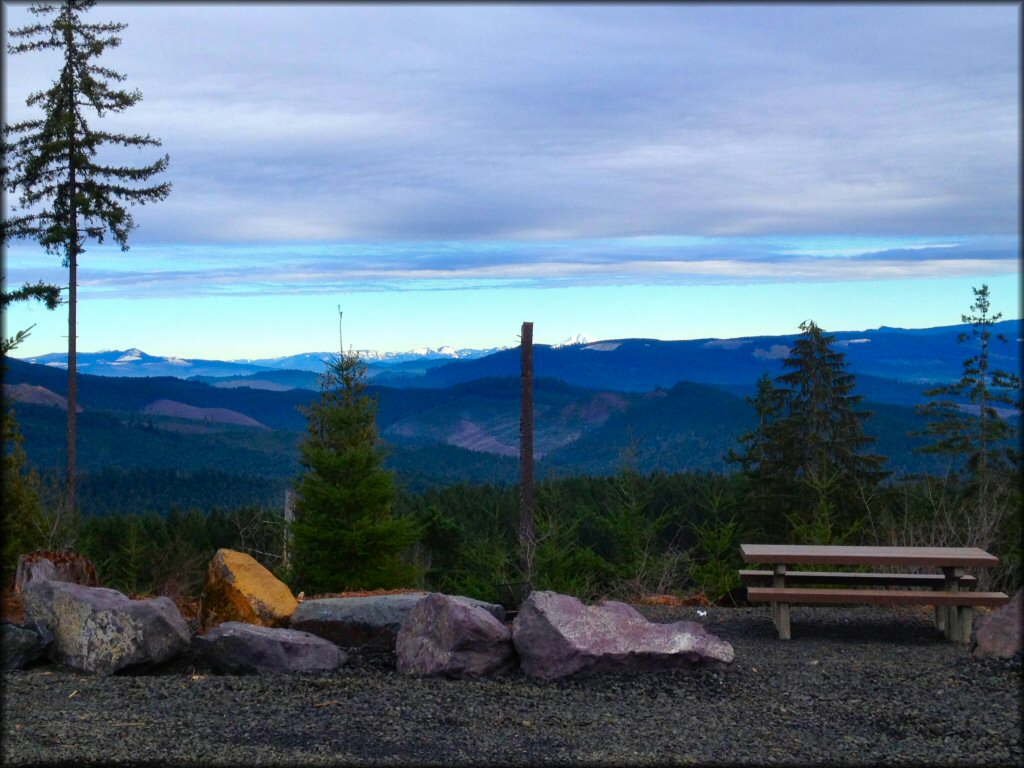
{"x": 557, "y": 636}
{"x": 452, "y": 637}
{"x": 999, "y": 633}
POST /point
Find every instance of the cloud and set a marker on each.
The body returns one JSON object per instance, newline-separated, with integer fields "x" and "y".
{"x": 383, "y": 123}
{"x": 314, "y": 268}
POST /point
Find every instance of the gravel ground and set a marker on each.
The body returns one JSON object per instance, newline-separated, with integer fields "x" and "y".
{"x": 857, "y": 686}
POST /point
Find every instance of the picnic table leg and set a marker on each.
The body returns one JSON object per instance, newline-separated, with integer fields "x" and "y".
{"x": 964, "y": 618}
{"x": 952, "y": 613}
{"x": 780, "y": 611}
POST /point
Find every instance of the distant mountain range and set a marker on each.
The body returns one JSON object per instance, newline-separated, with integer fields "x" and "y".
{"x": 668, "y": 405}
{"x": 887, "y": 359}
{"x": 135, "y": 362}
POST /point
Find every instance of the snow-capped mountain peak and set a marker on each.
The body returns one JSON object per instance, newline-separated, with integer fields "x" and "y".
{"x": 130, "y": 356}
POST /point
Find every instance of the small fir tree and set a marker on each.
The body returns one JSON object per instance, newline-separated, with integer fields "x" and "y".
{"x": 64, "y": 171}
{"x": 21, "y": 514}
{"x": 964, "y": 419}
{"x": 758, "y": 455}
{"x": 22, "y": 519}
{"x": 344, "y": 535}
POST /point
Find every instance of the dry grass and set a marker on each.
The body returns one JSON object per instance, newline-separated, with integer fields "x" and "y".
{"x": 698, "y": 598}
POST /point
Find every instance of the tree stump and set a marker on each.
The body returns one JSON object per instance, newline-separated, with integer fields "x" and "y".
{"x": 57, "y": 566}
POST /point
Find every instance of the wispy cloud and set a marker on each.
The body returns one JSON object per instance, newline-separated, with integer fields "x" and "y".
{"x": 149, "y": 270}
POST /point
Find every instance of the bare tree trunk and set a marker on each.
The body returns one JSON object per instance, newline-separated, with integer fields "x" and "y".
{"x": 289, "y": 518}
{"x": 71, "y": 480}
{"x": 526, "y": 529}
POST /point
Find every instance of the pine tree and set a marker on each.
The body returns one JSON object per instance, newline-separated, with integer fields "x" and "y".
{"x": 964, "y": 421}
{"x": 806, "y": 457}
{"x": 344, "y": 534}
{"x": 22, "y": 512}
{"x": 68, "y": 191}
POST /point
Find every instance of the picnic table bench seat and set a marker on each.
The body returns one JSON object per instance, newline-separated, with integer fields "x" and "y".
{"x": 877, "y": 596}
{"x": 961, "y": 602}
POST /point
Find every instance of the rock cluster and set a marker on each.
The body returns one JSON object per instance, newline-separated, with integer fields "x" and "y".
{"x": 246, "y": 610}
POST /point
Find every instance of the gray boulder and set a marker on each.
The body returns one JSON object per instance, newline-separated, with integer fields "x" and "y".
{"x": 101, "y": 631}
{"x": 999, "y": 633}
{"x": 21, "y": 645}
{"x": 453, "y": 637}
{"x": 558, "y": 636}
{"x": 239, "y": 648}
{"x": 365, "y": 622}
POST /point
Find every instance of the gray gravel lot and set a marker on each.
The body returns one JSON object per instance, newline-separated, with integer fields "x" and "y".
{"x": 855, "y": 686}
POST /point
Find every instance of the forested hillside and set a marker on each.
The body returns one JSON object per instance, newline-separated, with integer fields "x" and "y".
{"x": 466, "y": 433}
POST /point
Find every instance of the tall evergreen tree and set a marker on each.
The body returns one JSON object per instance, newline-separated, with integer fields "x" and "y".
{"x": 964, "y": 419}
{"x": 807, "y": 454}
{"x": 344, "y": 534}
{"x": 68, "y": 191}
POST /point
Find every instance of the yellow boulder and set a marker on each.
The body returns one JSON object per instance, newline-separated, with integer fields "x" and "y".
{"x": 238, "y": 588}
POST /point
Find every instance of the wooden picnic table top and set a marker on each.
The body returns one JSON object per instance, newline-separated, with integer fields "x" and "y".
{"x": 942, "y": 557}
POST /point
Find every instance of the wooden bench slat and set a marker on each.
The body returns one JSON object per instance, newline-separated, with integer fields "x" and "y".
{"x": 847, "y": 577}
{"x": 880, "y": 596}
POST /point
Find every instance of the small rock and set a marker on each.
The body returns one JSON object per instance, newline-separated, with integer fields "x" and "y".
{"x": 21, "y": 645}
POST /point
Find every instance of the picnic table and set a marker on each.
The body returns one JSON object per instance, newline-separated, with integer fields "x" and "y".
{"x": 951, "y": 591}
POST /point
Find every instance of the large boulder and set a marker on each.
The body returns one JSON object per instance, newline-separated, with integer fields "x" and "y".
{"x": 371, "y": 621}
{"x": 453, "y": 637}
{"x": 101, "y": 631}
{"x": 21, "y": 645}
{"x": 238, "y": 588}
{"x": 999, "y": 633}
{"x": 56, "y": 566}
{"x": 239, "y": 648}
{"x": 557, "y": 636}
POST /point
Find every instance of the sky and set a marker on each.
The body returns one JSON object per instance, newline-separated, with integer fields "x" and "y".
{"x": 443, "y": 173}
